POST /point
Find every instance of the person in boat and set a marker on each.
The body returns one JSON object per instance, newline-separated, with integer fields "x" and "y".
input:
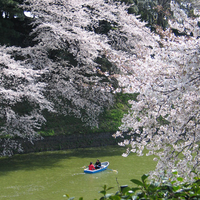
{"x": 91, "y": 166}
{"x": 97, "y": 164}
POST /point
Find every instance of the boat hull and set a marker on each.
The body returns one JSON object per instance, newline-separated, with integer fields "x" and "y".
{"x": 104, "y": 166}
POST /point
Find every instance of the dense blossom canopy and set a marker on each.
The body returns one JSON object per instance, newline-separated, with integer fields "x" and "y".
{"x": 63, "y": 71}
{"x": 165, "y": 119}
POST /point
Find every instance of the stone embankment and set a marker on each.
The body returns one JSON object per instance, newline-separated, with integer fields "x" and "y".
{"x": 62, "y": 142}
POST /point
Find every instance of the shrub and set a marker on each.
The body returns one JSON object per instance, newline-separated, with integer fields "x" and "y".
{"x": 151, "y": 190}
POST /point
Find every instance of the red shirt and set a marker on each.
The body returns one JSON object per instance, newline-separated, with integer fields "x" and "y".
{"x": 91, "y": 167}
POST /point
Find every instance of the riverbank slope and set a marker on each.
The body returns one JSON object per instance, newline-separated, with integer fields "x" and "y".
{"x": 62, "y": 142}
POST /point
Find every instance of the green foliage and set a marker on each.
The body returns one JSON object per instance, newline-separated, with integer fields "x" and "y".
{"x": 104, "y": 192}
{"x": 47, "y": 133}
{"x": 10, "y": 9}
{"x": 109, "y": 120}
{"x": 14, "y": 25}
{"x": 165, "y": 189}
{"x": 162, "y": 121}
{"x": 106, "y": 66}
{"x": 23, "y": 108}
{"x": 153, "y": 12}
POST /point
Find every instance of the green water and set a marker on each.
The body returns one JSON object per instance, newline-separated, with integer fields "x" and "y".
{"x": 50, "y": 175}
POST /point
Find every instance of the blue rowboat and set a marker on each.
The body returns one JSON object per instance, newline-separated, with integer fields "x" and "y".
{"x": 104, "y": 166}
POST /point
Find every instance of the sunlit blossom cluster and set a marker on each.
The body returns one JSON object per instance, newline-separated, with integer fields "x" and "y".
{"x": 165, "y": 119}
{"x": 183, "y": 23}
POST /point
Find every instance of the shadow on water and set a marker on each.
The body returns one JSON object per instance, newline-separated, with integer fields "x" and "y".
{"x": 49, "y": 159}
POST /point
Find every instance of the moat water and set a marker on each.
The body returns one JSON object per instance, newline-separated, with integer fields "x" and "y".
{"x": 51, "y": 175}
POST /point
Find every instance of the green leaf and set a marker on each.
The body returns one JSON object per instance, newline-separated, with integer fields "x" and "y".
{"x": 138, "y": 119}
{"x": 137, "y": 182}
{"x": 109, "y": 188}
{"x": 135, "y": 189}
{"x": 196, "y": 178}
{"x": 125, "y": 190}
{"x": 116, "y": 197}
{"x": 176, "y": 188}
{"x": 144, "y": 177}
{"x": 103, "y": 192}
{"x": 175, "y": 172}
{"x": 172, "y": 182}
{"x": 197, "y": 181}
{"x": 180, "y": 179}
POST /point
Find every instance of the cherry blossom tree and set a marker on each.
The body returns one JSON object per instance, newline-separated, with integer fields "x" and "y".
{"x": 63, "y": 71}
{"x": 182, "y": 22}
{"x": 165, "y": 119}
{"x": 20, "y": 90}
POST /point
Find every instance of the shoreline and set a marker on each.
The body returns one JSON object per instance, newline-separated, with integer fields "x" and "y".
{"x": 63, "y": 142}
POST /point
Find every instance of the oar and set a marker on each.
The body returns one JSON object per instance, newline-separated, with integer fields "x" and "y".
{"x": 113, "y": 170}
